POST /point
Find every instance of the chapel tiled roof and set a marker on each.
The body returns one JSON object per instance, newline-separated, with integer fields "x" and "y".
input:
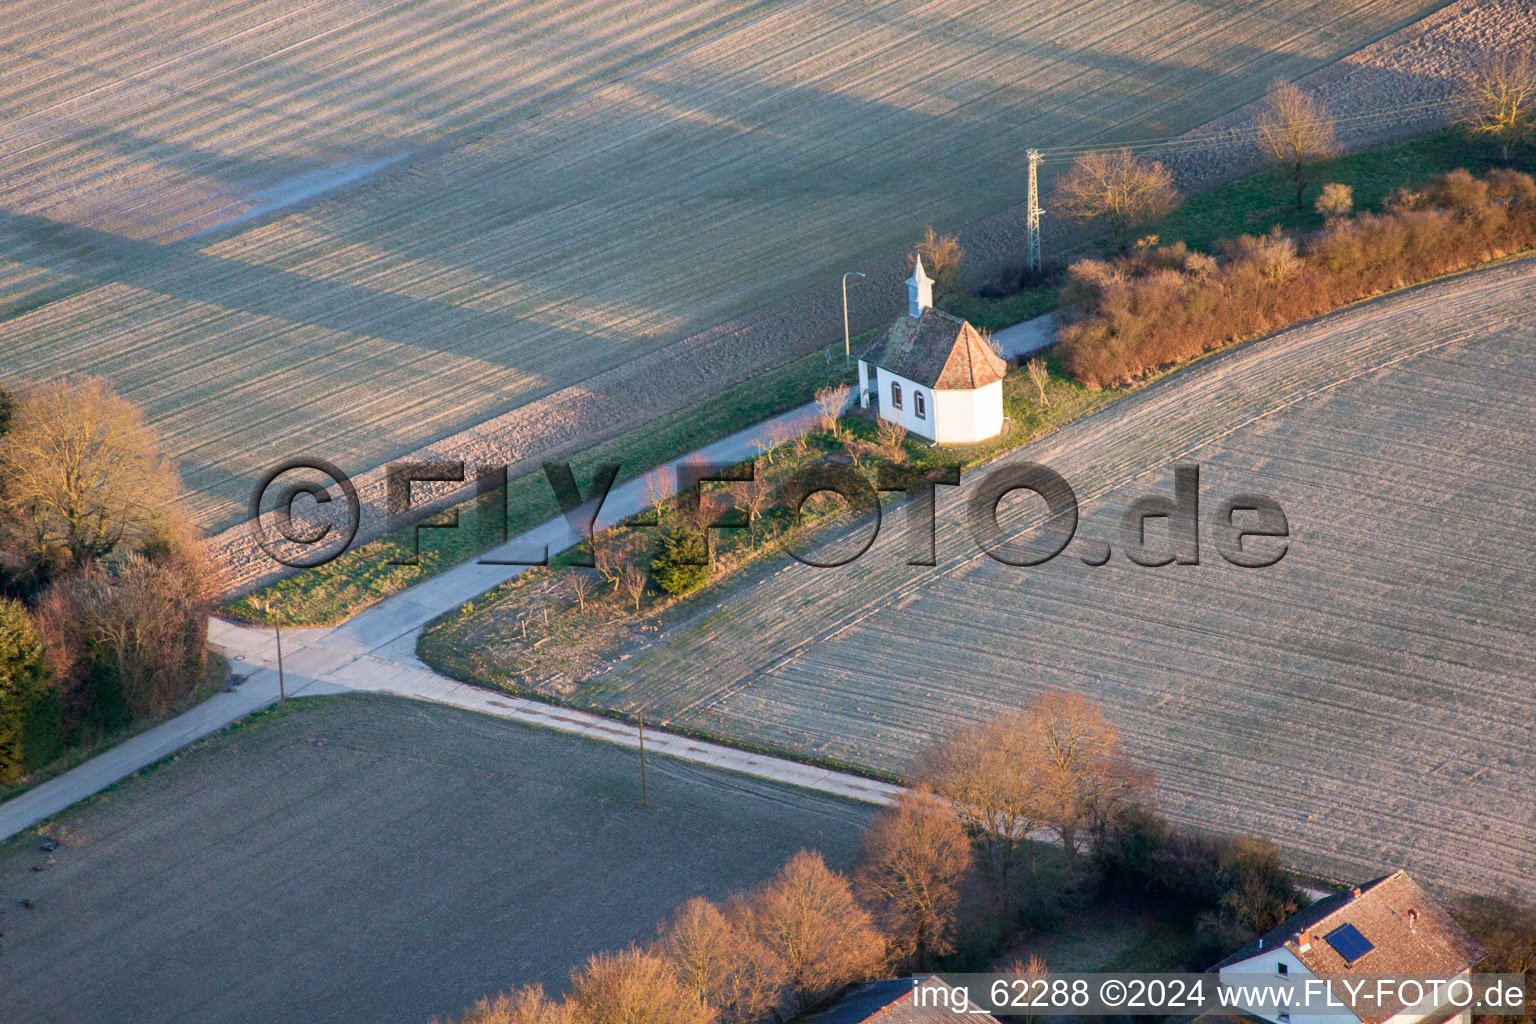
{"x": 938, "y": 350}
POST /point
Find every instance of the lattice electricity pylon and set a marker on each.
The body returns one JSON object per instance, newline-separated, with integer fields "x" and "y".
{"x": 1033, "y": 221}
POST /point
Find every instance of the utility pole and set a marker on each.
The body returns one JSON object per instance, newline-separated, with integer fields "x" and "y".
{"x": 640, "y": 717}
{"x": 265, "y": 606}
{"x": 1033, "y": 219}
{"x": 847, "y": 344}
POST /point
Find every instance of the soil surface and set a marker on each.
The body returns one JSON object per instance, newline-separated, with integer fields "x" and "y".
{"x": 1393, "y": 88}
{"x": 592, "y": 219}
{"x": 376, "y": 859}
{"x": 1366, "y": 702}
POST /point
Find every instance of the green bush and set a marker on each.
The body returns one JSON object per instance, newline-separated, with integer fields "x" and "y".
{"x": 7, "y": 410}
{"x": 681, "y": 564}
{"x": 26, "y": 696}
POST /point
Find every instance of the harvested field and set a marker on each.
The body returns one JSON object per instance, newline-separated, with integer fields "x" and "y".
{"x": 534, "y": 193}
{"x": 1368, "y": 702}
{"x": 376, "y": 859}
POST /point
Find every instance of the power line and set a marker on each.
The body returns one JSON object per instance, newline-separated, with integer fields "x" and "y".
{"x": 1250, "y": 133}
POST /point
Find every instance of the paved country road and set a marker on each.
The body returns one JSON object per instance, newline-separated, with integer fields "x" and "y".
{"x": 376, "y": 651}
{"x": 376, "y": 859}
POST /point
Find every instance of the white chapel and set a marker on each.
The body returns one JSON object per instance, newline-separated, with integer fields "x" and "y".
{"x": 933, "y": 373}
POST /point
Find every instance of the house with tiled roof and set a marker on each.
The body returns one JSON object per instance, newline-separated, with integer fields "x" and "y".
{"x": 934, "y": 373}
{"x": 1389, "y": 927}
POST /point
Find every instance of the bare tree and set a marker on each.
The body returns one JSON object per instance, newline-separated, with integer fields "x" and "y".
{"x": 1039, "y": 376}
{"x": 993, "y": 775}
{"x": 1117, "y": 187}
{"x": 81, "y": 474}
{"x": 705, "y": 510}
{"x": 632, "y": 583}
{"x": 942, "y": 256}
{"x": 891, "y": 437}
{"x": 777, "y": 435}
{"x": 581, "y": 585}
{"x": 808, "y": 917}
{"x": 528, "y": 1005}
{"x": 915, "y": 854}
{"x": 1083, "y": 774}
{"x": 718, "y": 959}
{"x": 1295, "y": 130}
{"x": 830, "y": 402}
{"x": 1498, "y": 99}
{"x": 753, "y": 497}
{"x": 613, "y": 557}
{"x": 633, "y": 986}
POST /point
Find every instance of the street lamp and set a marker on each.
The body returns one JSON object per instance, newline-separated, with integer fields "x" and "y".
{"x": 847, "y": 353}
{"x": 264, "y": 605}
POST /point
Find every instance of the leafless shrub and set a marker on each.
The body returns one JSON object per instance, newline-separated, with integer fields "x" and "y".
{"x": 1199, "y": 265}
{"x": 1335, "y": 201}
{"x": 1039, "y": 376}
{"x": 528, "y": 1005}
{"x": 1117, "y": 187}
{"x": 1273, "y": 256}
{"x": 1511, "y": 187}
{"x": 993, "y": 344}
{"x": 1295, "y": 130}
{"x": 1129, "y": 318}
{"x": 141, "y": 624}
{"x": 830, "y": 402}
{"x": 891, "y": 439}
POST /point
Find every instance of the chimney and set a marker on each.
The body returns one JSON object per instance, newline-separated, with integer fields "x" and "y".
{"x": 919, "y": 289}
{"x": 1413, "y": 919}
{"x": 1354, "y": 893}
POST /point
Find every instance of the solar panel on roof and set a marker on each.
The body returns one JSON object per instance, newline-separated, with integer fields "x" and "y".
{"x": 1349, "y": 943}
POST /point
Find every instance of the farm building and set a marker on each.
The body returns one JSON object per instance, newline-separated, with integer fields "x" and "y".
{"x": 933, "y": 373}
{"x": 1387, "y": 927}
